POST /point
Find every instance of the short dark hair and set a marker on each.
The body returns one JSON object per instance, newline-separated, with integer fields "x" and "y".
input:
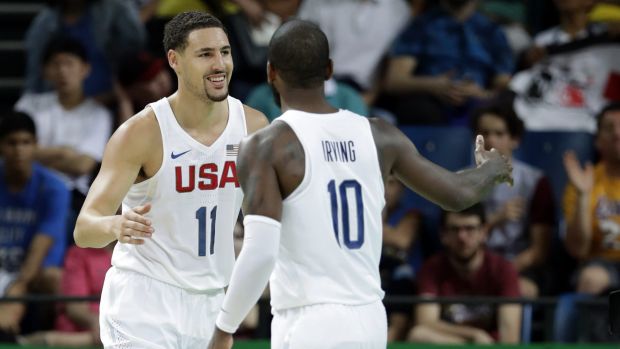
{"x": 179, "y": 27}
{"x": 14, "y": 121}
{"x": 475, "y": 210}
{"x": 299, "y": 51}
{"x": 64, "y": 44}
{"x": 613, "y": 106}
{"x": 502, "y": 109}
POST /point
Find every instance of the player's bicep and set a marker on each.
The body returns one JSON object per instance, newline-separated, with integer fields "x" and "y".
{"x": 119, "y": 169}
{"x": 258, "y": 179}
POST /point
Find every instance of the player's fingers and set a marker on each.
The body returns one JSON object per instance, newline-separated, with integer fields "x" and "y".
{"x": 479, "y": 143}
{"x": 142, "y": 209}
{"x": 134, "y": 228}
{"x": 128, "y": 239}
{"x": 136, "y": 217}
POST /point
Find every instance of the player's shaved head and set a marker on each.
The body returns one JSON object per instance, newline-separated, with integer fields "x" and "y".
{"x": 299, "y": 52}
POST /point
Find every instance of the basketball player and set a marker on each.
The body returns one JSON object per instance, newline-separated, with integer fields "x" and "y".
{"x": 317, "y": 174}
{"x": 174, "y": 163}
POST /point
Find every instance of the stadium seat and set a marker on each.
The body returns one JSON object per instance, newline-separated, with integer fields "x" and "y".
{"x": 449, "y": 147}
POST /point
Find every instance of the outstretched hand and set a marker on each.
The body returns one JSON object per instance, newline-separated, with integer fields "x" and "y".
{"x": 482, "y": 156}
{"x": 132, "y": 227}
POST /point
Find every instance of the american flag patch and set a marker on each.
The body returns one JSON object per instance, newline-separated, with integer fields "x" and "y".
{"x": 232, "y": 149}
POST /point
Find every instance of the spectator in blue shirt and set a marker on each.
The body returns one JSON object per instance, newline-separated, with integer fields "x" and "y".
{"x": 445, "y": 60}
{"x": 33, "y": 213}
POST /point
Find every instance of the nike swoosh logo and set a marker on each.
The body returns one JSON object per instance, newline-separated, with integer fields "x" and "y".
{"x": 174, "y": 156}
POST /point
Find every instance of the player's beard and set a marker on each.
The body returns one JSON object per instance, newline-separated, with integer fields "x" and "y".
{"x": 216, "y": 97}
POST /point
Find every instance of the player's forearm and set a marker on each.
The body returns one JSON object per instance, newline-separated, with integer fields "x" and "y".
{"x": 471, "y": 186}
{"x": 94, "y": 230}
{"x": 579, "y": 228}
{"x": 251, "y": 272}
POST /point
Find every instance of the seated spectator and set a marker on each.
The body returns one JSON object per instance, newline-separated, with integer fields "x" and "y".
{"x": 445, "y": 60}
{"x": 78, "y": 322}
{"x": 106, "y": 28}
{"x": 520, "y": 218}
{"x": 143, "y": 79}
{"x": 592, "y": 215}
{"x": 339, "y": 95}
{"x": 466, "y": 268}
{"x": 573, "y": 73}
{"x": 592, "y": 209}
{"x": 72, "y": 129}
{"x": 400, "y": 229}
{"x": 346, "y": 25}
{"x": 34, "y": 205}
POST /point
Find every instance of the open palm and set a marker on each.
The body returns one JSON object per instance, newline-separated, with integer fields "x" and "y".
{"x": 581, "y": 178}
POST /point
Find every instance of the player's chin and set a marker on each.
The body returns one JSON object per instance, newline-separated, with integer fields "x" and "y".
{"x": 217, "y": 96}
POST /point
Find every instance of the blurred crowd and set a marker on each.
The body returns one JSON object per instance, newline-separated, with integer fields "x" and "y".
{"x": 505, "y": 69}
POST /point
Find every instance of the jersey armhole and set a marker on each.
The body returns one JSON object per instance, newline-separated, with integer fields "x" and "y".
{"x": 305, "y": 182}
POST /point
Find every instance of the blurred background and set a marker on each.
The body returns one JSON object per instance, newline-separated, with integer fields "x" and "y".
{"x": 540, "y": 79}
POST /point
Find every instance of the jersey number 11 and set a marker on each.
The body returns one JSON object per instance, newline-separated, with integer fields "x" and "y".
{"x": 201, "y": 216}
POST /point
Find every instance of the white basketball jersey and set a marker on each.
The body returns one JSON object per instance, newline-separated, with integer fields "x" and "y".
{"x": 331, "y": 224}
{"x": 195, "y": 199}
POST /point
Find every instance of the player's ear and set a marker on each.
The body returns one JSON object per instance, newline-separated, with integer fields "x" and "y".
{"x": 173, "y": 59}
{"x": 330, "y": 70}
{"x": 271, "y": 73}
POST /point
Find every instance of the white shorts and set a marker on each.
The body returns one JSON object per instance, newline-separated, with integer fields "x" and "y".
{"x": 330, "y": 326}
{"x": 137, "y": 311}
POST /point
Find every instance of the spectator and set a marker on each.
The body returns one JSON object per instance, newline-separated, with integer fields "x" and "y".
{"x": 106, "y": 29}
{"x": 72, "y": 129}
{"x": 78, "y": 322}
{"x": 592, "y": 215}
{"x": 400, "y": 229}
{"x": 574, "y": 73}
{"x": 357, "y": 47}
{"x": 592, "y": 209}
{"x": 33, "y": 214}
{"x": 445, "y": 60}
{"x": 466, "y": 268}
{"x": 338, "y": 95}
{"x": 520, "y": 217}
{"x": 143, "y": 79}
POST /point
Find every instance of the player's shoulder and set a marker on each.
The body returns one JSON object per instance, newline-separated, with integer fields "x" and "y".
{"x": 267, "y": 142}
{"x": 254, "y": 119}
{"x": 139, "y": 133}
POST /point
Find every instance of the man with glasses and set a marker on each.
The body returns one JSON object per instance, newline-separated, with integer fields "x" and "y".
{"x": 466, "y": 268}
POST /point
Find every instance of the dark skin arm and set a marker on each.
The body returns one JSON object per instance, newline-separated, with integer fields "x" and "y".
{"x": 452, "y": 191}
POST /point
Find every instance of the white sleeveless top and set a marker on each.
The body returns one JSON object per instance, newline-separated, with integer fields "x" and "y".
{"x": 331, "y": 224}
{"x": 195, "y": 199}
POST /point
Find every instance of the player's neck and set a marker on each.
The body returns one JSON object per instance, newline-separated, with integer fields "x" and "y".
{"x": 193, "y": 112}
{"x": 17, "y": 177}
{"x": 307, "y": 100}
{"x": 70, "y": 100}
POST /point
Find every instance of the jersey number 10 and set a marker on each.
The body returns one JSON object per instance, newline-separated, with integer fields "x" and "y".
{"x": 344, "y": 203}
{"x": 201, "y": 216}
